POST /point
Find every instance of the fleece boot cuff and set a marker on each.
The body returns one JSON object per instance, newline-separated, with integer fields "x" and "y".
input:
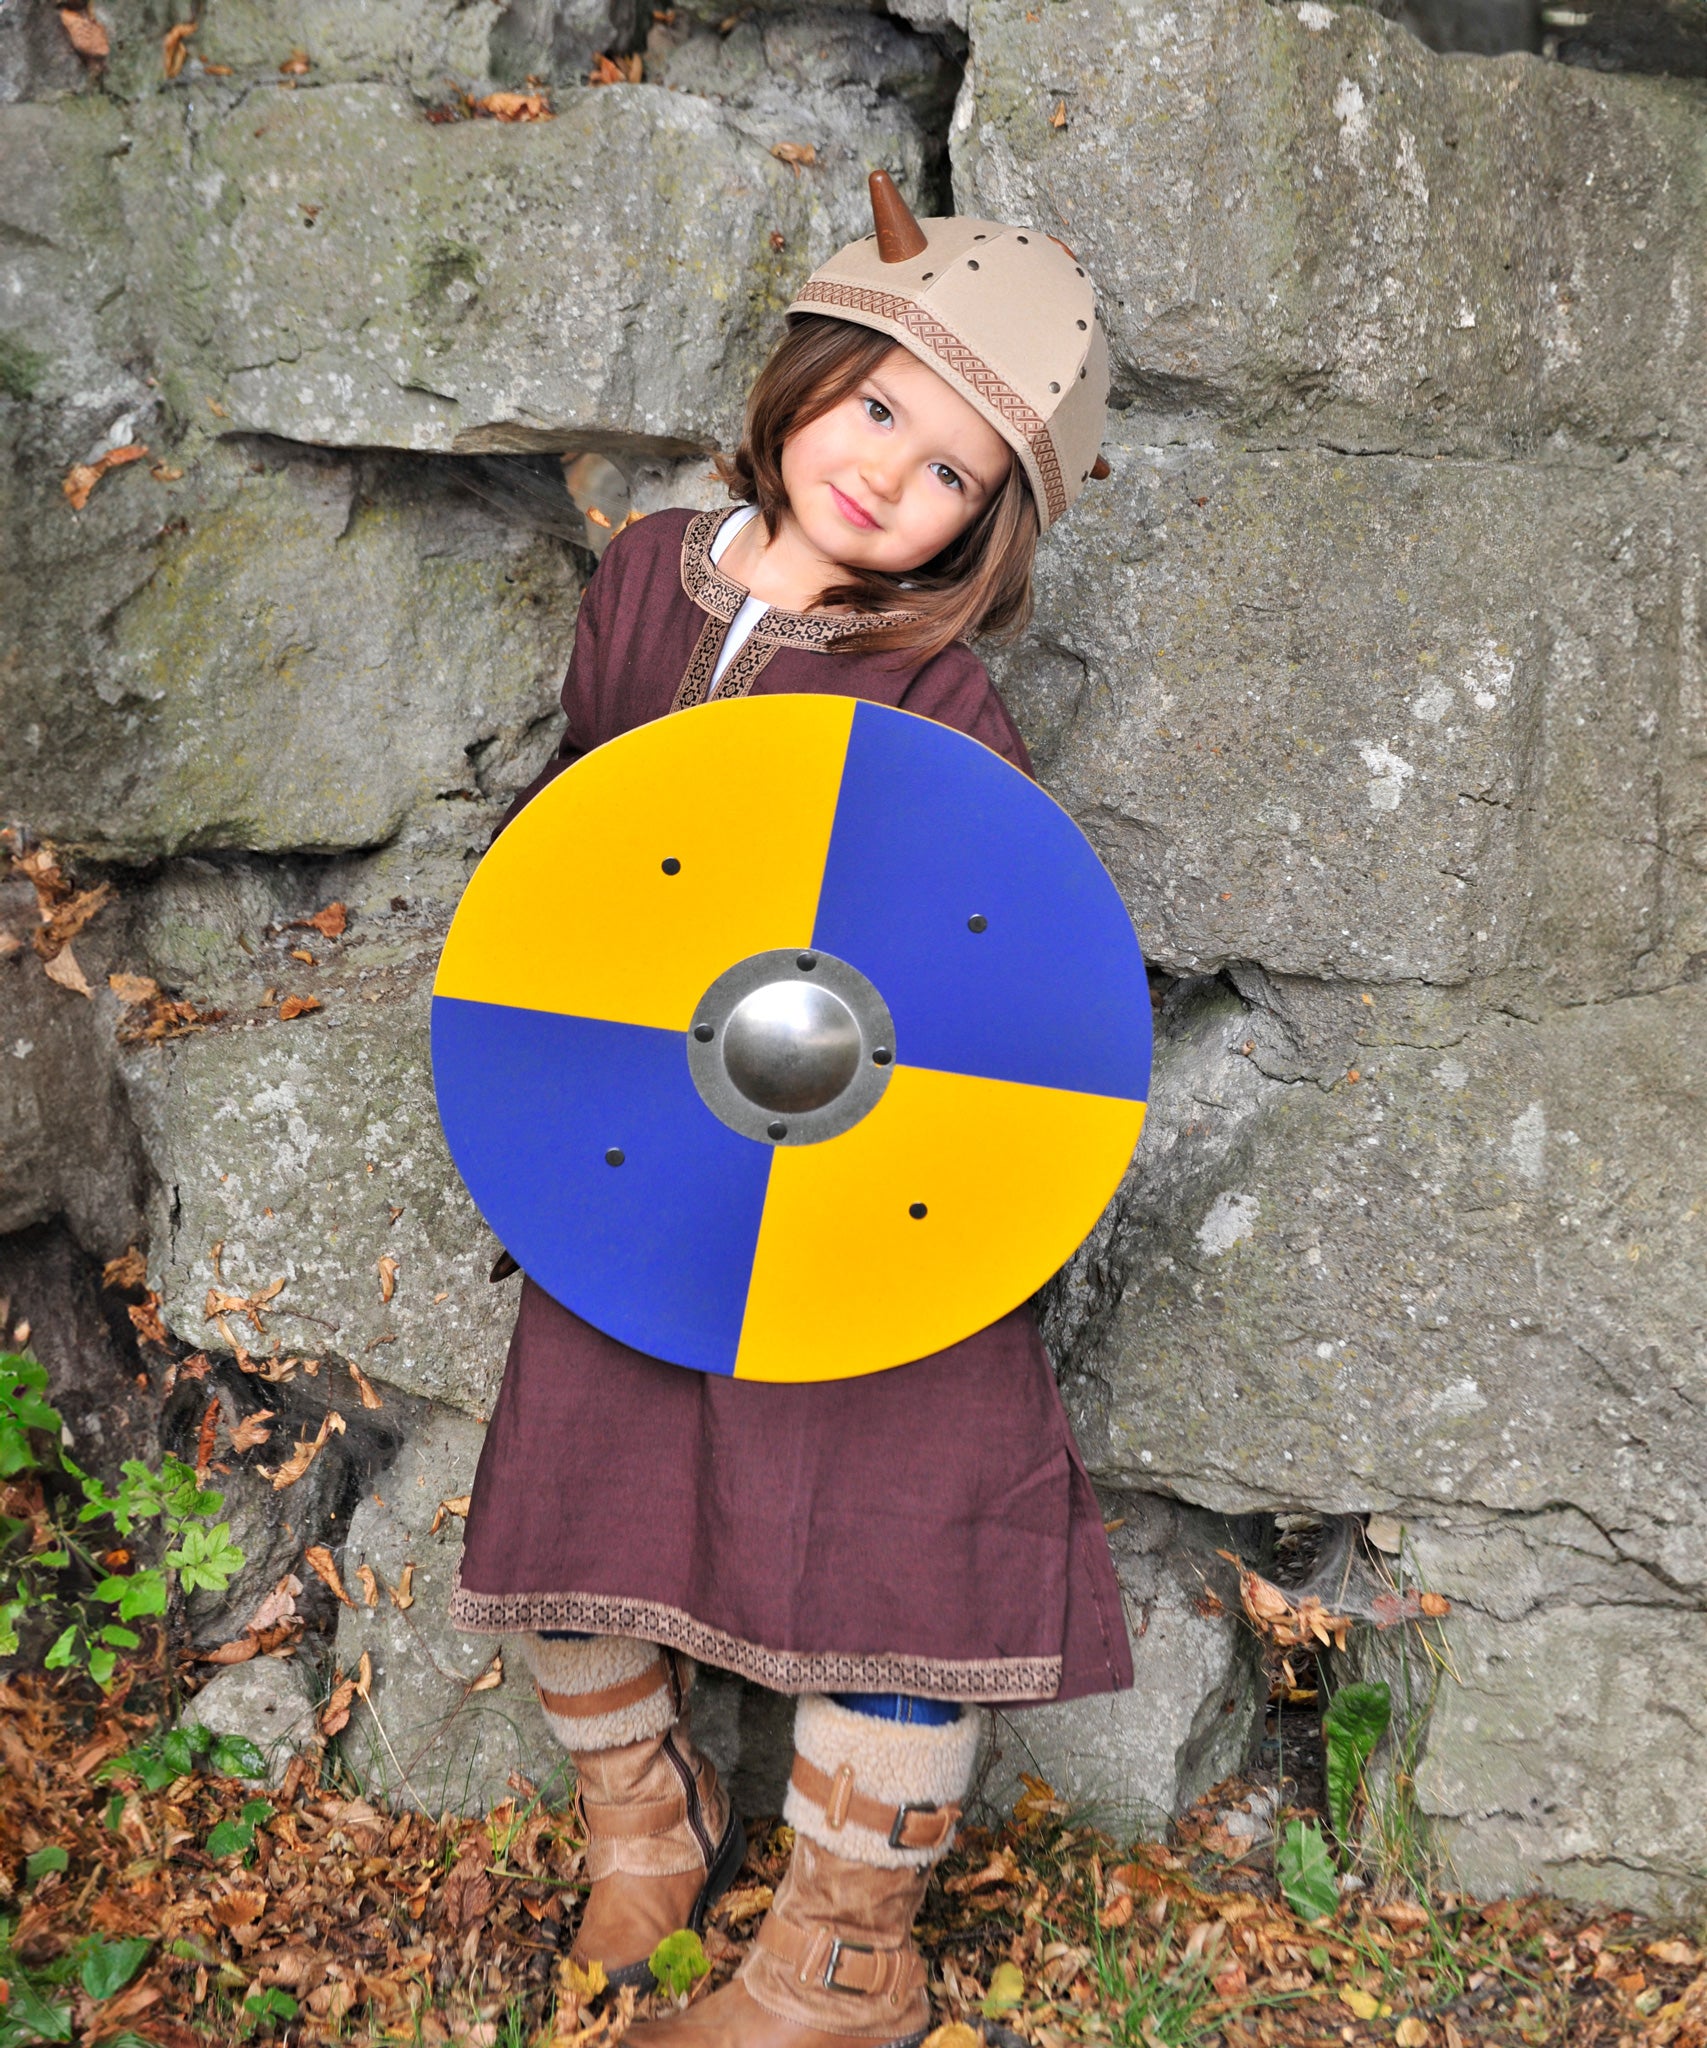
{"x": 886, "y": 1793}
{"x": 606, "y": 1691}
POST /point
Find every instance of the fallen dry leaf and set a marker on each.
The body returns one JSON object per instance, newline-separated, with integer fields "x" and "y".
{"x": 319, "y": 1561}
{"x": 335, "y": 1714}
{"x": 1411, "y": 2032}
{"x": 369, "y": 1584}
{"x": 219, "y": 1304}
{"x": 128, "y": 1270}
{"x": 457, "y": 1506}
{"x": 402, "y": 1594}
{"x": 237, "y": 1909}
{"x": 206, "y": 1438}
{"x": 241, "y": 1649}
{"x": 1434, "y": 1605}
{"x": 296, "y": 65}
{"x": 82, "y": 477}
{"x": 10, "y": 945}
{"x": 956, "y": 2034}
{"x": 162, "y": 1018}
{"x": 133, "y": 988}
{"x": 252, "y": 1430}
{"x": 617, "y": 70}
{"x": 297, "y": 1006}
{"x": 88, "y": 39}
{"x": 66, "y": 919}
{"x": 145, "y": 1315}
{"x": 299, "y": 1461}
{"x": 365, "y": 1387}
{"x": 172, "y": 51}
{"x": 387, "y": 1277}
{"x": 1058, "y": 119}
{"x": 364, "y": 1675}
{"x": 278, "y": 1606}
{"x": 515, "y": 106}
{"x": 330, "y": 923}
{"x": 492, "y": 1677}
{"x": 64, "y": 970}
{"x": 163, "y": 472}
{"x": 794, "y": 154}
{"x": 1679, "y": 1955}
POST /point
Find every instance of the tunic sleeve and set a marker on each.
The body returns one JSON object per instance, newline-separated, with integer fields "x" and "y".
{"x": 954, "y": 688}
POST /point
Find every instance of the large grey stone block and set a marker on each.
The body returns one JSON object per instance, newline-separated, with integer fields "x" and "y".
{"x": 290, "y": 1145}
{"x": 1382, "y": 721}
{"x": 305, "y": 654}
{"x": 425, "y": 1737}
{"x": 1566, "y": 1742}
{"x": 1470, "y": 1276}
{"x": 1306, "y": 221}
{"x": 334, "y": 268}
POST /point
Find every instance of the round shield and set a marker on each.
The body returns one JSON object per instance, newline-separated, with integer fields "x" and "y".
{"x": 791, "y": 1037}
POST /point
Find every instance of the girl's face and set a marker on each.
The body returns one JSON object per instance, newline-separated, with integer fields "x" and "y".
{"x": 889, "y": 476}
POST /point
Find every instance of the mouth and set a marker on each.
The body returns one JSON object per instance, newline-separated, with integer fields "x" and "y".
{"x": 855, "y": 515}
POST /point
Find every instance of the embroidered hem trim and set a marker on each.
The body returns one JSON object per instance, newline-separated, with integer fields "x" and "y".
{"x": 991, "y": 1681}
{"x": 969, "y": 367}
{"x": 737, "y": 679}
{"x": 713, "y": 592}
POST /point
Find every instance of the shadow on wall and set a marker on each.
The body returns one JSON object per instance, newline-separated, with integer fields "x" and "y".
{"x": 1666, "y": 37}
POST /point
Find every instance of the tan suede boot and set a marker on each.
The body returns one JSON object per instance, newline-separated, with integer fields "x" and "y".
{"x": 834, "y": 1964}
{"x": 662, "y": 1840}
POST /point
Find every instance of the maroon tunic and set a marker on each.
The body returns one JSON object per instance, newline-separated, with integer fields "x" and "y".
{"x": 928, "y": 1530}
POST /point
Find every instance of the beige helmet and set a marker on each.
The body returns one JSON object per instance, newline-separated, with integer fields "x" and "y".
{"x": 1006, "y": 315}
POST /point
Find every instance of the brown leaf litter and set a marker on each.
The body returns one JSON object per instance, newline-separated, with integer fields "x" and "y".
{"x": 395, "y": 1927}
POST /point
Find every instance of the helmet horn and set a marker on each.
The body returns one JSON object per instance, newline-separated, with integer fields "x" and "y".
{"x": 899, "y": 236}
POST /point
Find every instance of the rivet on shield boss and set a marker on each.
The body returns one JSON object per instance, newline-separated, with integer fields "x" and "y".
{"x": 791, "y": 1037}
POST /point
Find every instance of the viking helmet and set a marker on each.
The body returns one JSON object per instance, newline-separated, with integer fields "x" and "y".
{"x": 1006, "y": 315}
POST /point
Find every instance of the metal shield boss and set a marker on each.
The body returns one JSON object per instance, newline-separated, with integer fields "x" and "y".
{"x": 791, "y": 1037}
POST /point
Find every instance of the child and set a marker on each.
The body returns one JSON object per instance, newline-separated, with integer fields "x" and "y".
{"x": 896, "y": 1549}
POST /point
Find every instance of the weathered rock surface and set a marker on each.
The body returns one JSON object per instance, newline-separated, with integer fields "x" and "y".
{"x": 427, "y": 1736}
{"x": 1563, "y": 1760}
{"x": 310, "y": 1150}
{"x": 1134, "y": 1758}
{"x": 312, "y": 651}
{"x": 1383, "y": 721}
{"x": 609, "y": 275}
{"x": 1469, "y": 1275}
{"x": 1310, "y": 225}
{"x": 267, "y": 1701}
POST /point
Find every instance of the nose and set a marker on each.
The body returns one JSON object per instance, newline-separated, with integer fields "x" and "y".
{"x": 881, "y": 472}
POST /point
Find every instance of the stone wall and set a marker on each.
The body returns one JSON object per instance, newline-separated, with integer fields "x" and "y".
{"x": 1374, "y": 671}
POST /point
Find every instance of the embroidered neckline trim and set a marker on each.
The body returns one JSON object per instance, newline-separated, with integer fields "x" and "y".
{"x": 707, "y": 586}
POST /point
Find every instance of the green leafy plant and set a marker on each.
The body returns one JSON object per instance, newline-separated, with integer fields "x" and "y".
{"x": 35, "y": 2011}
{"x": 174, "y": 1753}
{"x": 231, "y": 1837}
{"x": 1305, "y": 1871}
{"x": 40, "y": 1539}
{"x": 37, "y": 1867}
{"x": 1355, "y": 1722}
{"x": 679, "y": 1961}
{"x": 262, "y": 2008}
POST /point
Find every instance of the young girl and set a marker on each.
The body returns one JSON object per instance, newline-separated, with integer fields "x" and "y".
{"x": 896, "y": 1549}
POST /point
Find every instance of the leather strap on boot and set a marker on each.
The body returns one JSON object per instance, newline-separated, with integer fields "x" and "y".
{"x": 902, "y": 1827}
{"x": 825, "y": 1961}
{"x": 611, "y": 1699}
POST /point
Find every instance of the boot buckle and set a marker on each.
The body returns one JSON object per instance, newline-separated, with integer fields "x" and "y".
{"x": 933, "y": 1837}
{"x": 839, "y": 1948}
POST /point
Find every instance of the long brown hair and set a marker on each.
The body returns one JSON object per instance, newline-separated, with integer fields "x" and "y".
{"x": 980, "y": 583}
